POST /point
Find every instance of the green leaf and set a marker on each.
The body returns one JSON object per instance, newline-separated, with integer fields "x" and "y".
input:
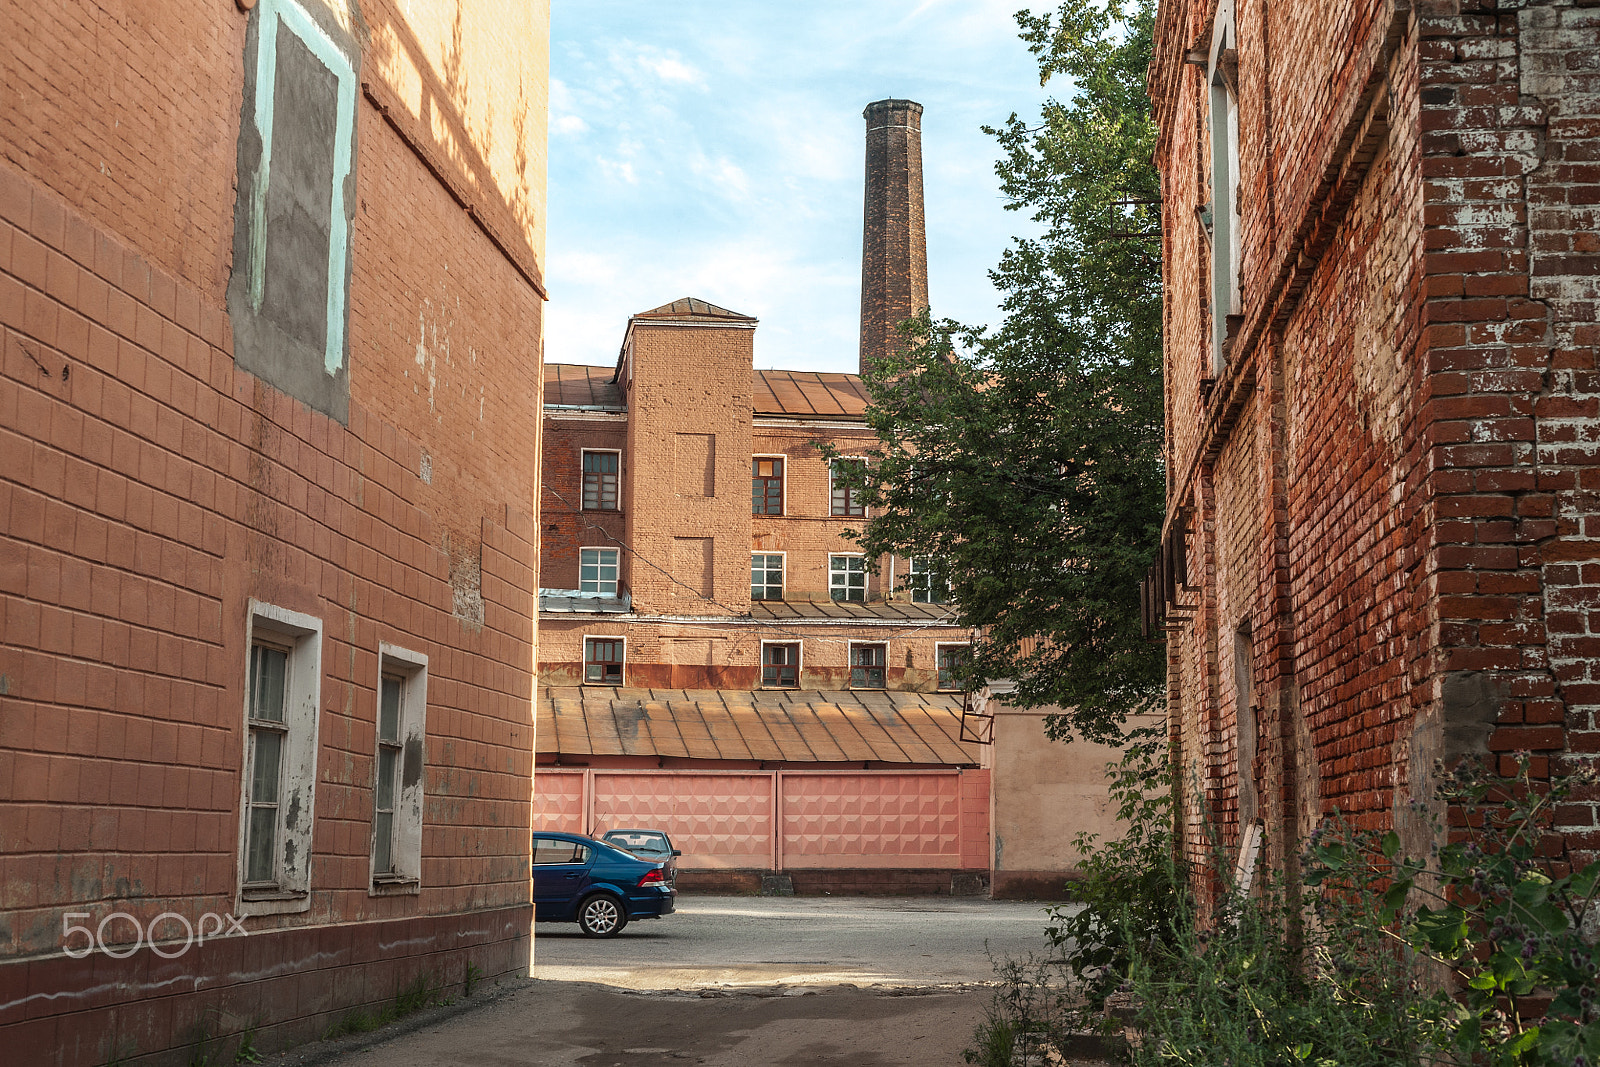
{"x": 1483, "y": 981}
{"x": 1390, "y": 844}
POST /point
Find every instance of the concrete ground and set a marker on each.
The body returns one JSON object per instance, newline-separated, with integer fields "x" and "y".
{"x": 732, "y": 982}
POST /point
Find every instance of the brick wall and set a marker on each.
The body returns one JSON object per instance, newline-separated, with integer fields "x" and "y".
{"x": 149, "y": 489}
{"x": 566, "y": 526}
{"x": 1389, "y": 481}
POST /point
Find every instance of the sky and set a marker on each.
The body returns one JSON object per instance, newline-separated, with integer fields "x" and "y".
{"x": 717, "y": 150}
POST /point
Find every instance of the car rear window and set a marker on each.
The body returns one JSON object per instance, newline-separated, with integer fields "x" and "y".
{"x": 631, "y": 839}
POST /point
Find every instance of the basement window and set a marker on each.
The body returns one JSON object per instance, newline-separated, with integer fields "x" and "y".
{"x": 951, "y": 658}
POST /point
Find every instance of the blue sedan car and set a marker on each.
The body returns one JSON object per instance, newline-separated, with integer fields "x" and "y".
{"x": 599, "y": 887}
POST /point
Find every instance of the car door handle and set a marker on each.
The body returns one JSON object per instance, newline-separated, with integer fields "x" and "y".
{"x": 569, "y": 877}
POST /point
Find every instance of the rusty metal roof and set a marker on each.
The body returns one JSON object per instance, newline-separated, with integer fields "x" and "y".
{"x": 793, "y": 726}
{"x": 689, "y": 307}
{"x": 566, "y": 383}
{"x": 848, "y": 609}
{"x": 808, "y": 394}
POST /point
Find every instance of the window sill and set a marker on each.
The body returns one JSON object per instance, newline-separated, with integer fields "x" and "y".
{"x": 394, "y": 885}
{"x": 274, "y": 901}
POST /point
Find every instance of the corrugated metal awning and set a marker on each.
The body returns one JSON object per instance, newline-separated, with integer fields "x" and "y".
{"x": 792, "y": 726}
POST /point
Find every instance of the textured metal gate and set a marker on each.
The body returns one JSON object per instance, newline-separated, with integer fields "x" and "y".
{"x": 776, "y": 820}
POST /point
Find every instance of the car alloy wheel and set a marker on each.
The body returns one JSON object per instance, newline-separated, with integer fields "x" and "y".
{"x": 602, "y": 916}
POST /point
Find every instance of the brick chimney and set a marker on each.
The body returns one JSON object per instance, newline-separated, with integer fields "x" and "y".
{"x": 894, "y": 239}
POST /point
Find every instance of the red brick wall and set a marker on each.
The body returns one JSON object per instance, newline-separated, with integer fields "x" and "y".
{"x": 566, "y": 527}
{"x": 149, "y": 489}
{"x": 1390, "y": 481}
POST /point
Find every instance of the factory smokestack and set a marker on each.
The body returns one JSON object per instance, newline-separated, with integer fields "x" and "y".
{"x": 894, "y": 238}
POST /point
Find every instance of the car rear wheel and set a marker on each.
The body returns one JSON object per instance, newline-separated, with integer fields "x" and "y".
{"x": 602, "y": 915}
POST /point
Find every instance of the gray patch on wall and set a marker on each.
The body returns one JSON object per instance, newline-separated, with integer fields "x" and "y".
{"x": 5, "y": 684}
{"x": 284, "y": 339}
{"x": 1458, "y": 724}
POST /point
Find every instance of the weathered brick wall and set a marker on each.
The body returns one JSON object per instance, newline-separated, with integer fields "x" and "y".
{"x": 149, "y": 489}
{"x": 1390, "y": 478}
{"x": 668, "y": 655}
{"x": 688, "y": 385}
{"x": 565, "y": 526}
{"x": 807, "y": 531}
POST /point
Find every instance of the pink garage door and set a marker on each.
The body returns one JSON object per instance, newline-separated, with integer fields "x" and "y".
{"x": 828, "y": 819}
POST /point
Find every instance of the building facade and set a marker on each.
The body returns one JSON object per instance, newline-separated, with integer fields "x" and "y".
{"x": 267, "y": 546}
{"x": 1381, "y": 268}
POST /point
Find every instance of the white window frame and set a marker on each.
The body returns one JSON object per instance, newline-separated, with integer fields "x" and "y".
{"x": 405, "y": 847}
{"x": 829, "y": 509}
{"x": 865, "y": 575}
{"x": 851, "y": 663}
{"x": 584, "y": 664}
{"x": 583, "y": 499}
{"x": 783, "y": 510}
{"x": 785, "y": 566}
{"x": 938, "y": 654}
{"x": 301, "y": 636}
{"x": 616, "y": 584}
{"x": 799, "y": 663}
{"x": 913, "y": 573}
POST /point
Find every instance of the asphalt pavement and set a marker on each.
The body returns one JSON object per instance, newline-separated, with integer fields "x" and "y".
{"x": 732, "y": 982}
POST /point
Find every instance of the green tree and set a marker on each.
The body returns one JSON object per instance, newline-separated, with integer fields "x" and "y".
{"x": 1027, "y": 462}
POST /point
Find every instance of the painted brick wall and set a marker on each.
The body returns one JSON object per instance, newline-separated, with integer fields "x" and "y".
{"x": 566, "y": 526}
{"x": 149, "y": 489}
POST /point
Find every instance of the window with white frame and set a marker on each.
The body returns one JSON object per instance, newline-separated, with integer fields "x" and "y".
{"x": 843, "y": 498}
{"x": 283, "y": 682}
{"x": 780, "y": 665}
{"x": 766, "y": 576}
{"x": 602, "y": 660}
{"x": 951, "y": 657}
{"x": 397, "y": 789}
{"x": 847, "y": 578}
{"x": 868, "y": 666}
{"x": 600, "y": 473}
{"x": 926, "y": 582}
{"x": 597, "y": 570}
{"x": 1224, "y": 219}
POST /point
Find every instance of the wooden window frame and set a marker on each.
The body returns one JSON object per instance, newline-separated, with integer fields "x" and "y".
{"x": 799, "y": 659}
{"x": 846, "y": 572}
{"x": 783, "y": 574}
{"x": 881, "y": 667}
{"x": 782, "y": 478}
{"x": 850, "y": 501}
{"x": 616, "y": 583}
{"x": 599, "y": 495}
{"x": 621, "y": 664}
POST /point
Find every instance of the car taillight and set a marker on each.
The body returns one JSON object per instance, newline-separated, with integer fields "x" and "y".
{"x": 655, "y": 877}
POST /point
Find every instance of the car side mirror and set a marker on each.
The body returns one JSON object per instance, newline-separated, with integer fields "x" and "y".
{"x": 677, "y": 852}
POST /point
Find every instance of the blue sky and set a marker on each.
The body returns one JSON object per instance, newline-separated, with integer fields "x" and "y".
{"x": 716, "y": 150}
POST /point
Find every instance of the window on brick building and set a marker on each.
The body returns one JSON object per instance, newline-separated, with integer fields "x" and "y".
{"x": 950, "y": 659}
{"x": 597, "y": 570}
{"x": 1223, "y": 217}
{"x": 868, "y": 666}
{"x": 766, "y": 576}
{"x": 842, "y": 498}
{"x": 283, "y": 679}
{"x": 847, "y": 578}
{"x": 397, "y": 788}
{"x": 600, "y": 471}
{"x": 926, "y": 582}
{"x": 780, "y": 665}
{"x": 602, "y": 660}
{"x": 766, "y": 485}
{"x": 288, "y": 295}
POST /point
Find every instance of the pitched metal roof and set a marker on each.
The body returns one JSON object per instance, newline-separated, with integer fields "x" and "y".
{"x": 688, "y": 307}
{"x": 567, "y": 384}
{"x": 808, "y": 394}
{"x": 791, "y": 610}
{"x": 794, "y": 726}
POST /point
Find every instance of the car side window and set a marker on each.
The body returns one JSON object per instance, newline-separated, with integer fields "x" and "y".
{"x": 549, "y": 850}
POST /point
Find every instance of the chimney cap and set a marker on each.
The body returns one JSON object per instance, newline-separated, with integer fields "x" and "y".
{"x": 881, "y": 106}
